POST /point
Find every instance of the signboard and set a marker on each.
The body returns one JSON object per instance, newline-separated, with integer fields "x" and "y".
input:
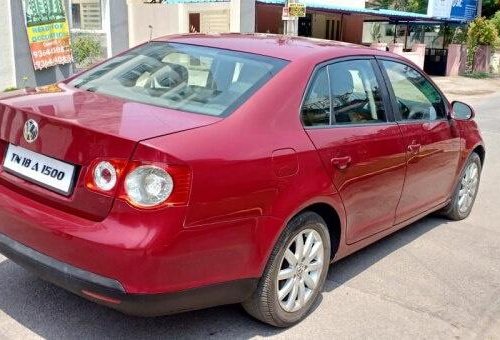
{"x": 48, "y": 33}
{"x": 297, "y": 10}
{"x": 464, "y": 10}
{"x": 439, "y": 8}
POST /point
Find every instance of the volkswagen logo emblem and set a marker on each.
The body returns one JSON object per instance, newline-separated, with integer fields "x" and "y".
{"x": 30, "y": 131}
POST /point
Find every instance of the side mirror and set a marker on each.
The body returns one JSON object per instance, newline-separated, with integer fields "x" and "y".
{"x": 462, "y": 111}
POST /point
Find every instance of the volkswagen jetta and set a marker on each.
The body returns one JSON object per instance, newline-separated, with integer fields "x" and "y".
{"x": 199, "y": 170}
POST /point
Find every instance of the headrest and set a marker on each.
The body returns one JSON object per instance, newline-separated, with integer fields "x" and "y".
{"x": 342, "y": 82}
{"x": 171, "y": 75}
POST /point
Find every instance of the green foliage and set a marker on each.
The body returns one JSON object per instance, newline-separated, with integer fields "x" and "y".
{"x": 496, "y": 20}
{"x": 418, "y": 6}
{"x": 86, "y": 50}
{"x": 10, "y": 89}
{"x": 482, "y": 32}
{"x": 459, "y": 35}
{"x": 376, "y": 32}
{"x": 490, "y": 7}
{"x": 477, "y": 75}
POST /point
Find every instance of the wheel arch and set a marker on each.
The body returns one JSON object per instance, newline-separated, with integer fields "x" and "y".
{"x": 332, "y": 218}
{"x": 481, "y": 152}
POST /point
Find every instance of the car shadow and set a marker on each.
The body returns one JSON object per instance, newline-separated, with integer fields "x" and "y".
{"x": 344, "y": 270}
{"x": 53, "y": 313}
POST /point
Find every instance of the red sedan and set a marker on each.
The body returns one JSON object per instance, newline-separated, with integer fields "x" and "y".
{"x": 199, "y": 170}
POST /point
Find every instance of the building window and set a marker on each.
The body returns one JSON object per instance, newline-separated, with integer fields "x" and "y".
{"x": 87, "y": 19}
{"x": 86, "y": 14}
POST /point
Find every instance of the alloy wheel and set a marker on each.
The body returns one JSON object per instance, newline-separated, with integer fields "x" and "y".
{"x": 468, "y": 187}
{"x": 300, "y": 270}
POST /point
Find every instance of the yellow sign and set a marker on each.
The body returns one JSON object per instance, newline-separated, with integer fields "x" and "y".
{"x": 297, "y": 10}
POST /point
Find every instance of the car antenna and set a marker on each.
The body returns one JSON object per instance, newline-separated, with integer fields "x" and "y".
{"x": 150, "y": 33}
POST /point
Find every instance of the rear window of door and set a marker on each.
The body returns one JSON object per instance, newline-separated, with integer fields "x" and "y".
{"x": 417, "y": 99}
{"x": 343, "y": 93}
{"x": 356, "y": 94}
{"x": 316, "y": 108}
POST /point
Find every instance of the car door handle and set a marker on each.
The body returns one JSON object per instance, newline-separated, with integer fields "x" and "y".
{"x": 414, "y": 147}
{"x": 341, "y": 162}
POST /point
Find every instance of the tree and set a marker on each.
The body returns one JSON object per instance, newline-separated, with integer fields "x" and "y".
{"x": 496, "y": 20}
{"x": 481, "y": 32}
{"x": 418, "y": 6}
{"x": 490, "y": 7}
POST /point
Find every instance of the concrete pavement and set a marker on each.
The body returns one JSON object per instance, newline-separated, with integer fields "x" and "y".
{"x": 434, "y": 279}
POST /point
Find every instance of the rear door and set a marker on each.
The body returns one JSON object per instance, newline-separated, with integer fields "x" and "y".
{"x": 347, "y": 116}
{"x": 431, "y": 139}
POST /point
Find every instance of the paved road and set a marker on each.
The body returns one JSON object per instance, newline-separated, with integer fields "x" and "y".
{"x": 434, "y": 279}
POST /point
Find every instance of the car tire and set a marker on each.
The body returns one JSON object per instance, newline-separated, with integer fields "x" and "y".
{"x": 466, "y": 190}
{"x": 303, "y": 279}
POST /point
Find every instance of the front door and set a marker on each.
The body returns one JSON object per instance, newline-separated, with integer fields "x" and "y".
{"x": 350, "y": 124}
{"x": 432, "y": 140}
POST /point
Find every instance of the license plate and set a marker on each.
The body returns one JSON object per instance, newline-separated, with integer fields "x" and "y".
{"x": 42, "y": 170}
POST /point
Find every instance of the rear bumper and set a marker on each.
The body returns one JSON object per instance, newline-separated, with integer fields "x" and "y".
{"x": 111, "y": 293}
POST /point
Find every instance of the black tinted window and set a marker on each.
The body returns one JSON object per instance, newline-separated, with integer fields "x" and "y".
{"x": 316, "y": 106}
{"x": 417, "y": 98}
{"x": 356, "y": 94}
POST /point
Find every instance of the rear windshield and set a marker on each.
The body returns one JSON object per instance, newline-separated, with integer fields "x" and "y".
{"x": 185, "y": 77}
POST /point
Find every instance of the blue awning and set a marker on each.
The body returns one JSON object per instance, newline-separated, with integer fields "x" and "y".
{"x": 392, "y": 15}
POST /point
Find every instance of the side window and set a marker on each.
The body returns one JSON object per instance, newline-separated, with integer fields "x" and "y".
{"x": 356, "y": 94}
{"x": 417, "y": 98}
{"x": 316, "y": 107}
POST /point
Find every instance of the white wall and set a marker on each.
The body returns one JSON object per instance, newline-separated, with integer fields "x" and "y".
{"x": 7, "y": 67}
{"x": 163, "y": 18}
{"x": 243, "y": 16}
{"x": 211, "y": 9}
{"x": 215, "y": 17}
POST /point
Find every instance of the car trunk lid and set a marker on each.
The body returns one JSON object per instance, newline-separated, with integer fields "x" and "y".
{"x": 78, "y": 127}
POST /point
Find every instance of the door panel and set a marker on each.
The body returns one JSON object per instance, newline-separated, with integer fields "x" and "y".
{"x": 370, "y": 184}
{"x": 350, "y": 124}
{"x": 432, "y": 141}
{"x": 431, "y": 171}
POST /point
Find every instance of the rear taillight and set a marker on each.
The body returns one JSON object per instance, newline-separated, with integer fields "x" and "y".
{"x": 141, "y": 184}
{"x": 103, "y": 175}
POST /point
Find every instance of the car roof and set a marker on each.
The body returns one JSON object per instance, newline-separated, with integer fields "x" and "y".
{"x": 277, "y": 46}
